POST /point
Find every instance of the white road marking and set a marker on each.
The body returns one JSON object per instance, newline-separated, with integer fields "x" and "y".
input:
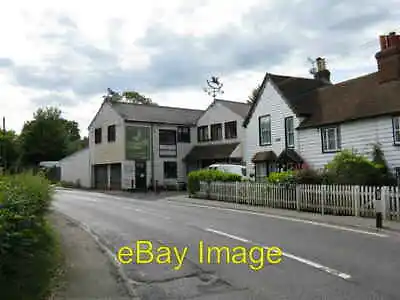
{"x": 290, "y": 219}
{"x": 234, "y": 237}
{"x": 286, "y": 254}
{"x": 84, "y": 198}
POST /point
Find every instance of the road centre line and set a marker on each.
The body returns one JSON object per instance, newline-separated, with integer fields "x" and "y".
{"x": 288, "y": 255}
{"x": 289, "y": 219}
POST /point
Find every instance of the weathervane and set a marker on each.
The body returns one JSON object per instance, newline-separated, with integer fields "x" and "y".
{"x": 214, "y": 87}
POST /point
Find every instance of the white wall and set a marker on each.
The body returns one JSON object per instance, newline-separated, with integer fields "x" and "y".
{"x": 218, "y": 113}
{"x": 182, "y": 150}
{"x": 270, "y": 103}
{"x": 76, "y": 167}
{"x": 359, "y": 135}
{"x": 106, "y": 152}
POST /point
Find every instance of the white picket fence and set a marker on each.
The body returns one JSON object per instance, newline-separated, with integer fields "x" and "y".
{"x": 344, "y": 200}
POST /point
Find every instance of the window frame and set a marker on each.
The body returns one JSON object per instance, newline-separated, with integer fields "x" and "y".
{"x": 98, "y": 135}
{"x": 269, "y": 131}
{"x": 218, "y": 128}
{"x": 201, "y": 129}
{"x": 338, "y": 139}
{"x": 288, "y": 133}
{"x": 183, "y": 137}
{"x": 226, "y": 126}
{"x": 175, "y": 176}
{"x": 111, "y": 133}
{"x": 172, "y": 132}
{"x": 396, "y": 142}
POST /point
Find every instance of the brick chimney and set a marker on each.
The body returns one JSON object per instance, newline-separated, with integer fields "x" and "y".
{"x": 322, "y": 73}
{"x": 388, "y": 57}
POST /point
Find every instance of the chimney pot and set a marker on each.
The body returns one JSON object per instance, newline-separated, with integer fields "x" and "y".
{"x": 322, "y": 73}
{"x": 388, "y": 58}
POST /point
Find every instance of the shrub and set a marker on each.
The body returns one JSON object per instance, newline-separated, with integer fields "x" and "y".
{"x": 27, "y": 243}
{"x": 195, "y": 177}
{"x": 281, "y": 177}
{"x": 348, "y": 167}
{"x": 309, "y": 176}
{"x": 378, "y": 158}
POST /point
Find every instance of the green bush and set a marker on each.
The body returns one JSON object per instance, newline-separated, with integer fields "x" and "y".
{"x": 195, "y": 177}
{"x": 348, "y": 167}
{"x": 309, "y": 176}
{"x": 27, "y": 243}
{"x": 281, "y": 177}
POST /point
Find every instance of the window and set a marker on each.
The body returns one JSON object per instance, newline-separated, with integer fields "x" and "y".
{"x": 216, "y": 132}
{"x": 167, "y": 137}
{"x": 184, "y": 134}
{"x": 111, "y": 133}
{"x": 289, "y": 132}
{"x": 97, "y": 136}
{"x": 396, "y": 130}
{"x": 170, "y": 170}
{"x": 264, "y": 131}
{"x": 231, "y": 130}
{"x": 202, "y": 134}
{"x": 330, "y": 139}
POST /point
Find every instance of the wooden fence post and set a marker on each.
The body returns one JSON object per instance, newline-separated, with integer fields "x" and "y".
{"x": 356, "y": 200}
{"x": 297, "y": 197}
{"x": 385, "y": 197}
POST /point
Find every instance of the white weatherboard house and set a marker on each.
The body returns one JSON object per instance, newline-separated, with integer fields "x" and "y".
{"x": 296, "y": 121}
{"x": 220, "y": 135}
{"x": 135, "y": 146}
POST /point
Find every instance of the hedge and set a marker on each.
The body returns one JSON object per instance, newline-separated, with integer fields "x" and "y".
{"x": 195, "y": 177}
{"x": 28, "y": 246}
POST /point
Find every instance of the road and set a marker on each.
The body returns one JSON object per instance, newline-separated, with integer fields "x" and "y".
{"x": 318, "y": 262}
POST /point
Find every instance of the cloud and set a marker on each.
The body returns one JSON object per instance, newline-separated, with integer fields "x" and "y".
{"x": 6, "y": 62}
{"x": 54, "y": 99}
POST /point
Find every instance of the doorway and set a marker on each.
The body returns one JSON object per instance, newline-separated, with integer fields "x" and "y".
{"x": 140, "y": 174}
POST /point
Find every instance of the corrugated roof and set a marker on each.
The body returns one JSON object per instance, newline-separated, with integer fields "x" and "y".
{"x": 156, "y": 114}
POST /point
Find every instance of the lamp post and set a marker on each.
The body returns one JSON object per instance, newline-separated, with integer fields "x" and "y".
{"x": 214, "y": 87}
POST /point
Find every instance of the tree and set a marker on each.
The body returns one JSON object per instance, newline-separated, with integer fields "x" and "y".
{"x": 127, "y": 96}
{"x": 112, "y": 96}
{"x": 137, "y": 98}
{"x": 48, "y": 137}
{"x": 254, "y": 94}
{"x": 9, "y": 150}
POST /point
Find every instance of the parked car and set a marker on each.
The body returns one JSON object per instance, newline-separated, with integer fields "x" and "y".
{"x": 231, "y": 168}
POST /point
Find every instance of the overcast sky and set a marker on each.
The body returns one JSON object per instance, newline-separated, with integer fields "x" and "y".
{"x": 67, "y": 53}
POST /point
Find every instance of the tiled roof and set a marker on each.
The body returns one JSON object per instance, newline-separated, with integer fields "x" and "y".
{"x": 323, "y": 104}
{"x": 358, "y": 98}
{"x": 157, "y": 114}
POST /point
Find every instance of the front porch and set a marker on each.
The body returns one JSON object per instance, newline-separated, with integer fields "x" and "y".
{"x": 266, "y": 162}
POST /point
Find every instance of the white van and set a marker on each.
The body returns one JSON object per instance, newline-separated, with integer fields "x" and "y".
{"x": 230, "y": 168}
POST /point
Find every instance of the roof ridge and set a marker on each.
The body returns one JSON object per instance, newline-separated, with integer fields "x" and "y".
{"x": 231, "y": 101}
{"x": 158, "y": 106}
{"x": 292, "y": 77}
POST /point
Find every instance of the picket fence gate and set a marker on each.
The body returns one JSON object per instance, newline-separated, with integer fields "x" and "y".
{"x": 343, "y": 200}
